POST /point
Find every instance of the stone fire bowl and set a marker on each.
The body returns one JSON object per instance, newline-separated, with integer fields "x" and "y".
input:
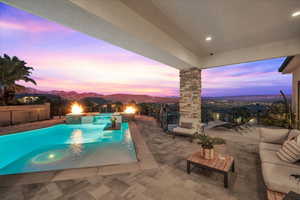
{"x": 83, "y": 118}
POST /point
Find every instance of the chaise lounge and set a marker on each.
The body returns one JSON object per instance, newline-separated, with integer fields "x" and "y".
{"x": 186, "y": 128}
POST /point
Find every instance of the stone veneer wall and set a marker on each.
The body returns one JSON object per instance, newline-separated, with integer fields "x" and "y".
{"x": 190, "y": 96}
{"x": 10, "y": 115}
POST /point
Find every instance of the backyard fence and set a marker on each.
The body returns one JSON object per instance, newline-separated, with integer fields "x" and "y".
{"x": 10, "y": 115}
{"x": 167, "y": 115}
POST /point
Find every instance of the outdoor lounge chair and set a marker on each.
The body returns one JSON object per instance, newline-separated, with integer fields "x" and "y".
{"x": 186, "y": 128}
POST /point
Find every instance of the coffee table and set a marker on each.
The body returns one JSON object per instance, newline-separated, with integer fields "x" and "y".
{"x": 221, "y": 163}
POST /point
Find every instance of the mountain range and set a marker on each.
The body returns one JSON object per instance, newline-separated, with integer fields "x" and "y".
{"x": 124, "y": 98}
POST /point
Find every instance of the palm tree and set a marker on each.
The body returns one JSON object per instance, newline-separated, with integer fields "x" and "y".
{"x": 12, "y": 69}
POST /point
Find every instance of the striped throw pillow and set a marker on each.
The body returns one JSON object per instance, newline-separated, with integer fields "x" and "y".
{"x": 290, "y": 151}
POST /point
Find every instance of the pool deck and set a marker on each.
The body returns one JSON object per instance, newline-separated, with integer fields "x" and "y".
{"x": 160, "y": 175}
{"x": 30, "y": 126}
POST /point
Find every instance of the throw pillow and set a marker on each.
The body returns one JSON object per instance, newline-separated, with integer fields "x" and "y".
{"x": 290, "y": 151}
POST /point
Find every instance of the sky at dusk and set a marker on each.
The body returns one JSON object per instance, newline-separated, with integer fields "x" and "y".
{"x": 65, "y": 59}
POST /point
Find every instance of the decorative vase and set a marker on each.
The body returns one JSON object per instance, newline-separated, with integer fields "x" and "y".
{"x": 208, "y": 154}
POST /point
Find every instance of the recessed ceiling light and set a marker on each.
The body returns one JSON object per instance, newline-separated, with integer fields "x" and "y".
{"x": 296, "y": 14}
{"x": 209, "y": 38}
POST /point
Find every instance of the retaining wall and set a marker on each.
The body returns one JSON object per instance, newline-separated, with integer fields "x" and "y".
{"x": 10, "y": 115}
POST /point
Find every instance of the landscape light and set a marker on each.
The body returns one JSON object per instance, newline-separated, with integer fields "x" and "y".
{"x": 209, "y": 38}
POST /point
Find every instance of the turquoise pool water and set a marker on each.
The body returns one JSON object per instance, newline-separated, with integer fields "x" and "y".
{"x": 65, "y": 146}
{"x": 103, "y": 118}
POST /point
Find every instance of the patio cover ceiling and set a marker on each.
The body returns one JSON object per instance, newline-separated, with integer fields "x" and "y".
{"x": 174, "y": 32}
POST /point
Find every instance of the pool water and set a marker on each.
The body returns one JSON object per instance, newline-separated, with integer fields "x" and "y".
{"x": 66, "y": 146}
{"x": 102, "y": 119}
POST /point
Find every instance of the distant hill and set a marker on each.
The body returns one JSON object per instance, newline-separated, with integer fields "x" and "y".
{"x": 96, "y": 100}
{"x": 124, "y": 98}
{"x": 140, "y": 98}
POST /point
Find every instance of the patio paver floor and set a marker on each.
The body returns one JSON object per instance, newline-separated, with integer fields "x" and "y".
{"x": 169, "y": 181}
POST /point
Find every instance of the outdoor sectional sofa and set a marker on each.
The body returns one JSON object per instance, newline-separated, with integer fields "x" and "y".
{"x": 277, "y": 173}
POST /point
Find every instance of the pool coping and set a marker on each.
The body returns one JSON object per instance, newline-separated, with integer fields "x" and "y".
{"x": 145, "y": 161}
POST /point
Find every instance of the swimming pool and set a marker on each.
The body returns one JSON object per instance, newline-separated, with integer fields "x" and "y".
{"x": 66, "y": 146}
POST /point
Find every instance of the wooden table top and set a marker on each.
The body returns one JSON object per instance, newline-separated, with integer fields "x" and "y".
{"x": 272, "y": 195}
{"x": 220, "y": 162}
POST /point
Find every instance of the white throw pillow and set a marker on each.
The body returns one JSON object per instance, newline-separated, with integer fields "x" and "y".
{"x": 290, "y": 150}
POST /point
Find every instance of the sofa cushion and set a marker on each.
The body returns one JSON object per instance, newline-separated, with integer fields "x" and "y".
{"x": 269, "y": 146}
{"x": 269, "y": 156}
{"x": 298, "y": 138}
{"x": 290, "y": 151}
{"x": 184, "y": 131}
{"x": 273, "y": 135}
{"x": 278, "y": 178}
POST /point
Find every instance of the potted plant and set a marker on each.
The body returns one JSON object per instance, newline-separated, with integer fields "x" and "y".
{"x": 113, "y": 122}
{"x": 207, "y": 143}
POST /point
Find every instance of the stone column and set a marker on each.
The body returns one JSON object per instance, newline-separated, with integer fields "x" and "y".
{"x": 190, "y": 97}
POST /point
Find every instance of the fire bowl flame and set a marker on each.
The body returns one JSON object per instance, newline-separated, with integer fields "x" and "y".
{"x": 76, "y": 109}
{"x": 130, "y": 110}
